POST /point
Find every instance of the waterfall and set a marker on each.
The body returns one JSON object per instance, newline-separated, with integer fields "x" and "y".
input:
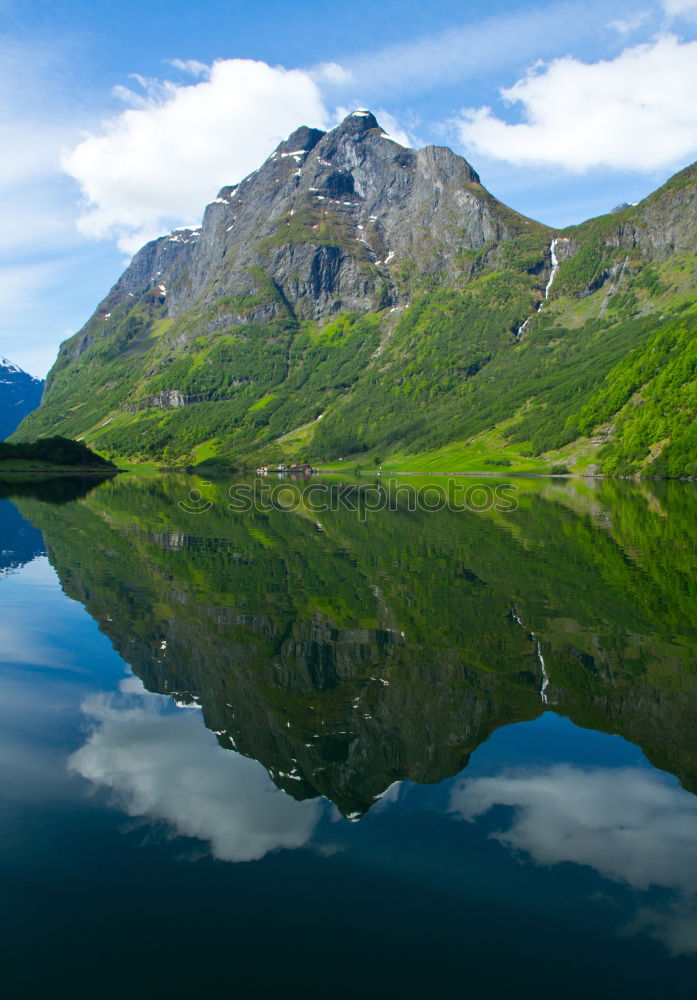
{"x": 538, "y": 653}
{"x": 545, "y": 678}
{"x": 521, "y": 329}
{"x": 555, "y": 268}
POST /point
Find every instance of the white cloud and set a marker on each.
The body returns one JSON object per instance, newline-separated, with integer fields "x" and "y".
{"x": 678, "y": 8}
{"x": 394, "y": 129}
{"x": 332, "y": 73}
{"x": 132, "y": 685}
{"x": 191, "y": 66}
{"x": 627, "y": 25}
{"x": 168, "y": 767}
{"x": 27, "y": 650}
{"x": 635, "y": 112}
{"x": 157, "y": 164}
{"x": 631, "y": 825}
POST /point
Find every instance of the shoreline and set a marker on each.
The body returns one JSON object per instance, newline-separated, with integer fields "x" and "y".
{"x": 53, "y": 471}
{"x": 502, "y": 474}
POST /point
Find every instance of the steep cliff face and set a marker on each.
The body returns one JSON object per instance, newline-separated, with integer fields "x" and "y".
{"x": 330, "y": 218}
{"x": 661, "y": 227}
{"x": 665, "y": 223}
{"x": 386, "y": 291}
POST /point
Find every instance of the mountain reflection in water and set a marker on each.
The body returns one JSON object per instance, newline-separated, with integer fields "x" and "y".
{"x": 372, "y": 651}
{"x": 480, "y": 693}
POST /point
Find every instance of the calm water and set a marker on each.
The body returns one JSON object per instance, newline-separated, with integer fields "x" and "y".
{"x": 348, "y": 752}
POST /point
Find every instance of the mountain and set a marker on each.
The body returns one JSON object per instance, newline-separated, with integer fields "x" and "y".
{"x": 352, "y": 296}
{"x": 19, "y": 395}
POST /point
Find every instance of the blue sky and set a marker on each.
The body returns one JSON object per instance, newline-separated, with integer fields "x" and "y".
{"x": 120, "y": 121}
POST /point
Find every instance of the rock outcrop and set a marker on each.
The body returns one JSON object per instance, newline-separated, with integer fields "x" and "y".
{"x": 330, "y": 217}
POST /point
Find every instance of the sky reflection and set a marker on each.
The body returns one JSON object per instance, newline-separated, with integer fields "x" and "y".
{"x": 165, "y": 765}
{"x": 631, "y": 825}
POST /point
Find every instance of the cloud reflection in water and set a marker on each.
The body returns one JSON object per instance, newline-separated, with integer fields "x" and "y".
{"x": 630, "y": 825}
{"x": 167, "y": 766}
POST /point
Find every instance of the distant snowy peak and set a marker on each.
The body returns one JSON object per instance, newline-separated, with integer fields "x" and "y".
{"x": 9, "y": 367}
{"x": 20, "y": 393}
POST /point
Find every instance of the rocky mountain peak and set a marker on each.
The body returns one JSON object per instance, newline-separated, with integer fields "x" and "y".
{"x": 327, "y": 218}
{"x": 358, "y": 123}
{"x": 303, "y": 140}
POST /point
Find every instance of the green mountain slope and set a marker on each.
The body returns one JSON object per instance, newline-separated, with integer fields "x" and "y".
{"x": 353, "y": 297}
